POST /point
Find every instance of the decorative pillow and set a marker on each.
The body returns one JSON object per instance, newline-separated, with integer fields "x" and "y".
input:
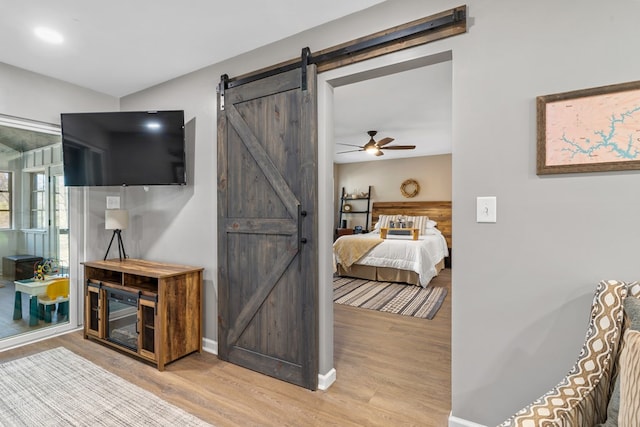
{"x": 630, "y": 380}
{"x": 632, "y": 313}
{"x": 421, "y": 222}
{"x": 383, "y": 220}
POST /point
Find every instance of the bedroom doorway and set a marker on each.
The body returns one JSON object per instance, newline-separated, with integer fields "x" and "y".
{"x": 330, "y": 84}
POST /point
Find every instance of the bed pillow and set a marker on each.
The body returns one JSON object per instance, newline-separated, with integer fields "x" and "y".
{"x": 383, "y": 221}
{"x": 421, "y": 222}
{"x": 630, "y": 380}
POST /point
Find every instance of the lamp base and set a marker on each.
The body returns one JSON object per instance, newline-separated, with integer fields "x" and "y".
{"x": 121, "y": 252}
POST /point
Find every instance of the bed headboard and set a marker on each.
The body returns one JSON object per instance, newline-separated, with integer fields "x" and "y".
{"x": 437, "y": 211}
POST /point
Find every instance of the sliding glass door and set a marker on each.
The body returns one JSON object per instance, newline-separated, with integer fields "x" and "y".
{"x": 34, "y": 229}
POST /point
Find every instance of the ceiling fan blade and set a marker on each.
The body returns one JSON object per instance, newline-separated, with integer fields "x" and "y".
{"x": 399, "y": 147}
{"x": 350, "y": 145}
{"x": 384, "y": 141}
{"x": 350, "y": 151}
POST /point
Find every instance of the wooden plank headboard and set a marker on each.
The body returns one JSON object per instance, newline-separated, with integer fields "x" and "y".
{"x": 437, "y": 211}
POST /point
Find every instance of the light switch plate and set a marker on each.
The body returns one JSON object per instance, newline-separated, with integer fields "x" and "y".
{"x": 486, "y": 209}
{"x": 113, "y": 202}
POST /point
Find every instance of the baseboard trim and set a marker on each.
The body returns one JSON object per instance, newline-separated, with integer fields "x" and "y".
{"x": 459, "y": 422}
{"x": 210, "y": 346}
{"x": 325, "y": 381}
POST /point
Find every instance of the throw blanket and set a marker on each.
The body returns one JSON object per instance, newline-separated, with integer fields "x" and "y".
{"x": 349, "y": 249}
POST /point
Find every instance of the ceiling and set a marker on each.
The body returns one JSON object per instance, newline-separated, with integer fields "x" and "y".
{"x": 413, "y": 107}
{"x": 15, "y": 140}
{"x": 121, "y": 47}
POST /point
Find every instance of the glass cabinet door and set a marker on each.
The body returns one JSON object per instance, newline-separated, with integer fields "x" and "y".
{"x": 93, "y": 320}
{"x": 147, "y": 330}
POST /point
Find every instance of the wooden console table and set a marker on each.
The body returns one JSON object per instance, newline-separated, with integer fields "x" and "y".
{"x": 413, "y": 232}
{"x": 148, "y": 309}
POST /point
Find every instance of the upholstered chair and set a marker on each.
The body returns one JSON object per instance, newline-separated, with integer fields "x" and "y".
{"x": 589, "y": 394}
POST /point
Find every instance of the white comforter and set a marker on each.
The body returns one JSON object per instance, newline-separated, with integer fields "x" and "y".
{"x": 402, "y": 252}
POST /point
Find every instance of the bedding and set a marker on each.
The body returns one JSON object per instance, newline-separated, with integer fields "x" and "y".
{"x": 423, "y": 256}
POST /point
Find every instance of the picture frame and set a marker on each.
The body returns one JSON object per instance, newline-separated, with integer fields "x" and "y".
{"x": 589, "y": 130}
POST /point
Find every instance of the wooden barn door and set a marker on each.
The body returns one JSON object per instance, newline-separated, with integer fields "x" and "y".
{"x": 267, "y": 225}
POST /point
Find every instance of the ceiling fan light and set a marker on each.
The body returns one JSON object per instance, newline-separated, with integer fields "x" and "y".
{"x": 372, "y": 150}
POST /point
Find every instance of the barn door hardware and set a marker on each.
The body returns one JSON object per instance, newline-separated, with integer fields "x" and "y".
{"x": 305, "y": 58}
{"x": 222, "y": 86}
{"x": 421, "y": 31}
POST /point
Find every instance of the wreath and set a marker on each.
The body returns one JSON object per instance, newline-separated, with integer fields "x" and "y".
{"x": 410, "y": 188}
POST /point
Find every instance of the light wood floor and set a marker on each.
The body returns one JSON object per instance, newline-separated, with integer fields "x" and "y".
{"x": 391, "y": 370}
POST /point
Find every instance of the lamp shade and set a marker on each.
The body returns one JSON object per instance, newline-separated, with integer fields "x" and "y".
{"x": 116, "y": 219}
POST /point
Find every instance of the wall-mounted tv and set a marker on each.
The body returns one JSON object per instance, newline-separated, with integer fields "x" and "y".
{"x": 123, "y": 148}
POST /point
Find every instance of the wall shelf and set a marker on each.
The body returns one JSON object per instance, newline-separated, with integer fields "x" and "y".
{"x": 357, "y": 203}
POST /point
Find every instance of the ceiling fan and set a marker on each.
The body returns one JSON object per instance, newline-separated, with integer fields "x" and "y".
{"x": 375, "y": 148}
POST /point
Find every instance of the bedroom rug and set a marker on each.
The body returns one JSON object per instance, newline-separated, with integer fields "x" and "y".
{"x": 59, "y": 388}
{"x": 397, "y": 298}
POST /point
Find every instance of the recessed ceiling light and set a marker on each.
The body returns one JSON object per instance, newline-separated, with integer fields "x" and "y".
{"x": 49, "y": 35}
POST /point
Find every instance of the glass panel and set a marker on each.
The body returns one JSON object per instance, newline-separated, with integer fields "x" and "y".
{"x": 148, "y": 328}
{"x": 37, "y": 219}
{"x": 60, "y": 203}
{"x": 31, "y": 205}
{"x": 5, "y": 201}
{"x": 40, "y": 182}
{"x": 5, "y": 181}
{"x": 122, "y": 319}
{"x": 93, "y": 313}
{"x": 5, "y": 219}
{"x": 40, "y": 201}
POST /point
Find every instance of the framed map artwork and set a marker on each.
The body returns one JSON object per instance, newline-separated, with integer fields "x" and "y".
{"x": 589, "y": 130}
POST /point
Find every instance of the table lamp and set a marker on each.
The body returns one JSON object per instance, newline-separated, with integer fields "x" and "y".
{"x": 116, "y": 220}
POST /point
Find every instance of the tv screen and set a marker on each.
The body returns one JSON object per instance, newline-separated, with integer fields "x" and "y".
{"x": 123, "y": 148}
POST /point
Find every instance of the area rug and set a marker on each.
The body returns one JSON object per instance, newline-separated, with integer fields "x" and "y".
{"x": 408, "y": 300}
{"x": 59, "y": 388}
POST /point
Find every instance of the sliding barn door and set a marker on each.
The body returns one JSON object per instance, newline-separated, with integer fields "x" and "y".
{"x": 267, "y": 226}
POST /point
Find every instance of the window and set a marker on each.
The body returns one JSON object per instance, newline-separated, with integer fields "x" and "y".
{"x": 5, "y": 200}
{"x": 38, "y": 200}
{"x": 61, "y": 220}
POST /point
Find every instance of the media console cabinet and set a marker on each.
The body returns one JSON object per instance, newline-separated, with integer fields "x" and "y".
{"x": 147, "y": 309}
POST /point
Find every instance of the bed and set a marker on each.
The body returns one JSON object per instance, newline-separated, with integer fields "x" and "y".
{"x": 398, "y": 258}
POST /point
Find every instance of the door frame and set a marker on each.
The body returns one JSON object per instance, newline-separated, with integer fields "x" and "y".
{"x": 75, "y": 252}
{"x": 391, "y": 63}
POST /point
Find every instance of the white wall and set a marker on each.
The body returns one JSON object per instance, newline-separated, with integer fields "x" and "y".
{"x": 522, "y": 287}
{"x": 36, "y": 97}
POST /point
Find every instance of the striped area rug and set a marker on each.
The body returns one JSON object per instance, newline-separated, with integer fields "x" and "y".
{"x": 408, "y": 300}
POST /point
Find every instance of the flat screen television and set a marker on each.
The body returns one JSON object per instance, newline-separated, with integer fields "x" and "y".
{"x": 123, "y": 148}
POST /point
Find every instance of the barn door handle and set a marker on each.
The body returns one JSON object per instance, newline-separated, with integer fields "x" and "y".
{"x": 301, "y": 215}
{"x": 301, "y": 240}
